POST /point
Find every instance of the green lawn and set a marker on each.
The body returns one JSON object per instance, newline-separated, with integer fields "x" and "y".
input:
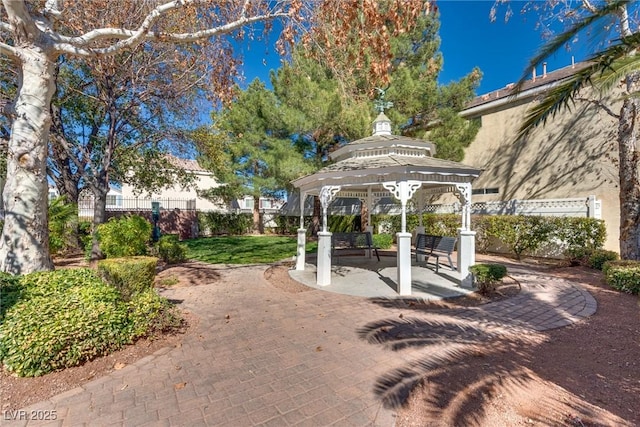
{"x": 244, "y": 249}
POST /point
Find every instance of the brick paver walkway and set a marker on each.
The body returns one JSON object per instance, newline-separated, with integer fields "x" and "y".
{"x": 312, "y": 358}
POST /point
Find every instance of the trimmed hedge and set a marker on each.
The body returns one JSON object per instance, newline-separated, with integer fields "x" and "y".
{"x": 599, "y": 257}
{"x": 129, "y": 276}
{"x": 63, "y": 318}
{"x": 623, "y": 275}
{"x": 217, "y": 223}
{"x": 54, "y": 320}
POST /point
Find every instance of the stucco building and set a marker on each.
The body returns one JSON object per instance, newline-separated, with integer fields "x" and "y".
{"x": 573, "y": 156}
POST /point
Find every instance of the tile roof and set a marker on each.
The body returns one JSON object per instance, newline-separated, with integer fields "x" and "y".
{"x": 539, "y": 81}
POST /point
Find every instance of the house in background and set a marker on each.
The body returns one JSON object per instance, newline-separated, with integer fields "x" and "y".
{"x": 124, "y": 197}
{"x": 182, "y": 197}
{"x": 572, "y": 156}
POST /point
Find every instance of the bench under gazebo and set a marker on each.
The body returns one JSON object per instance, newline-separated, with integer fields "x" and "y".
{"x": 370, "y": 169}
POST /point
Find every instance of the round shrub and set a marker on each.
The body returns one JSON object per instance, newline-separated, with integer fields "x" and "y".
{"x": 125, "y": 236}
{"x": 62, "y": 319}
{"x": 129, "y": 275}
{"x": 623, "y": 275}
{"x": 170, "y": 250}
{"x": 598, "y": 257}
{"x": 487, "y": 276}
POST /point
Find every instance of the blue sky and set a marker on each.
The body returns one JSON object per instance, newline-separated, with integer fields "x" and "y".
{"x": 468, "y": 39}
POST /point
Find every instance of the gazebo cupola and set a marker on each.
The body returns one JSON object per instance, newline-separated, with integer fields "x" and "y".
{"x": 382, "y": 125}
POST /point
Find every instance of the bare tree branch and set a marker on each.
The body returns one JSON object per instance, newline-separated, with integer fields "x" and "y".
{"x": 131, "y": 38}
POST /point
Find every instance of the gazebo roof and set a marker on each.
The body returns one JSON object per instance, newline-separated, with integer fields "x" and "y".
{"x": 381, "y": 157}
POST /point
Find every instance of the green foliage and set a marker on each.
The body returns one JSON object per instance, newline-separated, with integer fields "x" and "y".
{"x": 170, "y": 250}
{"x": 520, "y": 233}
{"x": 125, "y": 236}
{"x": 61, "y": 218}
{"x": 435, "y": 224}
{"x": 253, "y": 138}
{"x": 487, "y": 276}
{"x": 244, "y": 249}
{"x": 289, "y": 225}
{"x": 150, "y": 313}
{"x": 63, "y": 318}
{"x": 623, "y": 275}
{"x": 129, "y": 276}
{"x": 10, "y": 292}
{"x": 599, "y": 257}
{"x": 225, "y": 223}
{"x": 382, "y": 241}
{"x": 58, "y": 319}
{"x": 343, "y": 223}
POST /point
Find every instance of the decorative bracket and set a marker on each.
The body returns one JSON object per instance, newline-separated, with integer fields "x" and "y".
{"x": 403, "y": 190}
{"x": 463, "y": 191}
{"x": 327, "y": 193}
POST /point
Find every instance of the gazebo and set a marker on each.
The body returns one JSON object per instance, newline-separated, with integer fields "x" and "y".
{"x": 371, "y": 168}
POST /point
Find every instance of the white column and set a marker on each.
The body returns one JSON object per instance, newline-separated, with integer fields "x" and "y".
{"x": 403, "y": 191}
{"x": 301, "y": 251}
{"x": 404, "y": 263}
{"x": 466, "y": 255}
{"x": 323, "y": 277}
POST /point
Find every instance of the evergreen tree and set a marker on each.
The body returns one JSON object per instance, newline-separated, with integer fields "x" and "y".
{"x": 256, "y": 155}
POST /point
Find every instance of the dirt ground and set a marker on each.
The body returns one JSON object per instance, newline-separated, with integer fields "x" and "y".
{"x": 587, "y": 374}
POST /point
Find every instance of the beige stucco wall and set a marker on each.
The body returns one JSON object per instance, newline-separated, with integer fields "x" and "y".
{"x": 573, "y": 155}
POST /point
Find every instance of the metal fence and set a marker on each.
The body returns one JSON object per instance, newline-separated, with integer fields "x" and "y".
{"x": 86, "y": 206}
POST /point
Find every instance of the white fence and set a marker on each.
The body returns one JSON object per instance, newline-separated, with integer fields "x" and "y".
{"x": 574, "y": 207}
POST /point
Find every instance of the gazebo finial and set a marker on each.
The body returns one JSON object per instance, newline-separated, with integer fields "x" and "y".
{"x": 380, "y": 103}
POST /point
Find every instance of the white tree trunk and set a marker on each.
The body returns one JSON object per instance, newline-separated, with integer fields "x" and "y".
{"x": 24, "y": 245}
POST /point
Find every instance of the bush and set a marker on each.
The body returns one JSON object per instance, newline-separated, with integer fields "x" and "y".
{"x": 170, "y": 250}
{"x": 520, "y": 233}
{"x": 150, "y": 313}
{"x": 10, "y": 292}
{"x": 125, "y": 236}
{"x": 62, "y": 215}
{"x": 598, "y": 257}
{"x": 487, "y": 276}
{"x": 129, "y": 276}
{"x": 63, "y": 318}
{"x": 623, "y": 275}
{"x": 222, "y": 223}
{"x": 382, "y": 241}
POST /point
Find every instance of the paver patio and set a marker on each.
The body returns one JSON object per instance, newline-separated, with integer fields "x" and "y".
{"x": 299, "y": 359}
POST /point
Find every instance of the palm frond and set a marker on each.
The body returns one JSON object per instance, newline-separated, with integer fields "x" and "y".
{"x": 605, "y": 70}
{"x": 562, "y": 39}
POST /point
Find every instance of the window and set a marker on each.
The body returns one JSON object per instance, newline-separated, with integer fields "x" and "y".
{"x": 248, "y": 203}
{"x": 111, "y": 200}
{"x": 266, "y": 204}
{"x": 485, "y": 191}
